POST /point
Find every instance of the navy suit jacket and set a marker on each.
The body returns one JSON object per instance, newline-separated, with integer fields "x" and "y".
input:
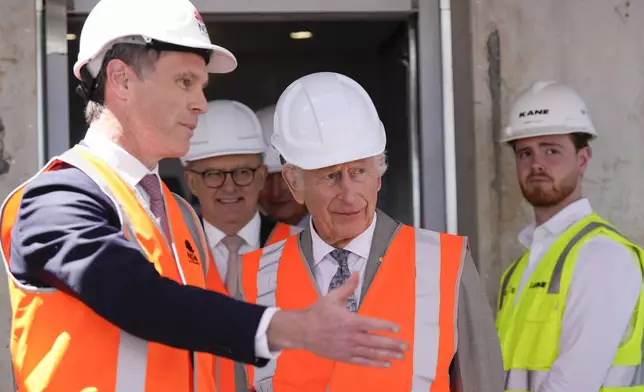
{"x": 67, "y": 235}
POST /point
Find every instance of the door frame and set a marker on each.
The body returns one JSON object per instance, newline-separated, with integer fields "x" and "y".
{"x": 254, "y": 7}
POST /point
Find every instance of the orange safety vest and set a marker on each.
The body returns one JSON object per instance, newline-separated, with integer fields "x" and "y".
{"x": 224, "y": 368}
{"x": 416, "y": 286}
{"x": 59, "y": 344}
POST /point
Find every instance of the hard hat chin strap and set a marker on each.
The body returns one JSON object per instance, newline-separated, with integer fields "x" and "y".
{"x": 87, "y": 86}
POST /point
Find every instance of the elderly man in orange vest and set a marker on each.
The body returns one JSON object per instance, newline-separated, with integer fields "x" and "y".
{"x": 328, "y": 132}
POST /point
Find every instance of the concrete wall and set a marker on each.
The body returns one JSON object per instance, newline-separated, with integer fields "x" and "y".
{"x": 596, "y": 47}
{"x": 18, "y": 131}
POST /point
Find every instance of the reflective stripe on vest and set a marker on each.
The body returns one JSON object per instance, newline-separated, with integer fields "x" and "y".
{"x": 55, "y": 344}
{"x": 282, "y": 231}
{"x": 224, "y": 368}
{"x": 555, "y": 281}
{"x": 416, "y": 286}
{"x": 519, "y": 377}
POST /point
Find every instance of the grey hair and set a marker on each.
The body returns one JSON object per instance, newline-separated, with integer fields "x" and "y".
{"x": 139, "y": 57}
{"x": 380, "y": 161}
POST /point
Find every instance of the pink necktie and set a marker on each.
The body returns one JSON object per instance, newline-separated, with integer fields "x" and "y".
{"x": 233, "y": 243}
{"x": 150, "y": 183}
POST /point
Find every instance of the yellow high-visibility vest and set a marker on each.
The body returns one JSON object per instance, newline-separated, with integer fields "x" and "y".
{"x": 529, "y": 328}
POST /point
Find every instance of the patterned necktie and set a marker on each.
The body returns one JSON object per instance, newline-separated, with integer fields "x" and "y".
{"x": 343, "y": 273}
{"x": 150, "y": 183}
{"x": 233, "y": 243}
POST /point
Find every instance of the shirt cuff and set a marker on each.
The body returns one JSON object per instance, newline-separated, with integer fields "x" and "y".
{"x": 261, "y": 338}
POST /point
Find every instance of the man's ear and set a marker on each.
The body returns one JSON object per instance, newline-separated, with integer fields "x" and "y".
{"x": 190, "y": 180}
{"x": 118, "y": 78}
{"x": 294, "y": 183}
{"x": 584, "y": 159}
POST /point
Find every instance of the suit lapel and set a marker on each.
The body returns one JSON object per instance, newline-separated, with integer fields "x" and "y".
{"x": 266, "y": 227}
{"x": 386, "y": 228}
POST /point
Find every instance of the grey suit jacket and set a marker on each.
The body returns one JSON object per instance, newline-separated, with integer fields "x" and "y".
{"x": 478, "y": 365}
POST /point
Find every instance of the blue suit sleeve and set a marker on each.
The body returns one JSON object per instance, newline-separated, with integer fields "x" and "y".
{"x": 67, "y": 235}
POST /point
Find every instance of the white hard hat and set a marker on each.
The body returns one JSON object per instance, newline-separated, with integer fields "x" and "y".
{"x": 325, "y": 119}
{"x": 227, "y": 128}
{"x": 266, "y": 116}
{"x": 175, "y": 22}
{"x": 547, "y": 108}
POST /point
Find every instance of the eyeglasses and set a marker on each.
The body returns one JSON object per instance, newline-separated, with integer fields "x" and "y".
{"x": 242, "y": 176}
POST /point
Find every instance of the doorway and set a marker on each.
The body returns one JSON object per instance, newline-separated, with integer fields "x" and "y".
{"x": 375, "y": 53}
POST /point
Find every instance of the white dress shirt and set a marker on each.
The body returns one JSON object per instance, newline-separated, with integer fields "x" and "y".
{"x": 604, "y": 289}
{"x": 249, "y": 233}
{"x": 325, "y": 266}
{"x": 132, "y": 171}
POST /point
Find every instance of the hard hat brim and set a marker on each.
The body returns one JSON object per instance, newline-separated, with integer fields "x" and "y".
{"x": 199, "y": 157}
{"x": 221, "y": 61}
{"x": 311, "y": 159}
{"x": 548, "y": 131}
{"x": 323, "y": 161}
{"x": 273, "y": 169}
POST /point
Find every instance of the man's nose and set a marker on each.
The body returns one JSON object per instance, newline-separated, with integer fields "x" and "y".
{"x": 200, "y": 104}
{"x": 348, "y": 191}
{"x": 276, "y": 188}
{"x": 228, "y": 185}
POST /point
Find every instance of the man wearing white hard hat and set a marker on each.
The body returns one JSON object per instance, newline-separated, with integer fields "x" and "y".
{"x": 275, "y": 199}
{"x": 570, "y": 310}
{"x": 330, "y": 135}
{"x": 225, "y": 170}
{"x": 105, "y": 263}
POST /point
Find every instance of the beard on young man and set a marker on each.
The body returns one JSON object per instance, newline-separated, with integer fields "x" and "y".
{"x": 541, "y": 190}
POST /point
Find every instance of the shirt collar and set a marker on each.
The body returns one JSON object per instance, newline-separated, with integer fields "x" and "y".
{"x": 558, "y": 224}
{"x": 130, "y": 169}
{"x": 361, "y": 245}
{"x": 249, "y": 233}
{"x": 304, "y": 221}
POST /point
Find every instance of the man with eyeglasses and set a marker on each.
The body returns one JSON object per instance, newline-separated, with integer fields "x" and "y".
{"x": 225, "y": 170}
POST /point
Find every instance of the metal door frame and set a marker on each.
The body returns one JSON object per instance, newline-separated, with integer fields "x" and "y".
{"x": 53, "y": 86}
{"x": 254, "y": 7}
{"x": 430, "y": 114}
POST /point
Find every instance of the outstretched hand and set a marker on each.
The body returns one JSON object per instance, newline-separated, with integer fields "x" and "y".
{"x": 329, "y": 330}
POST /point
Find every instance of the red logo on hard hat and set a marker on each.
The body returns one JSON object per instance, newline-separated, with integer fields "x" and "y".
{"x": 198, "y": 16}
{"x": 202, "y": 25}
